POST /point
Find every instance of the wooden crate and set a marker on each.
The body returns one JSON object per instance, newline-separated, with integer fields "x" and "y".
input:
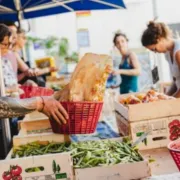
{"x": 161, "y": 129}
{"x": 152, "y": 110}
{"x": 118, "y": 171}
{"x": 51, "y": 137}
{"x": 123, "y": 124}
{"x": 45, "y": 163}
{"x": 127, "y": 171}
{"x": 158, "y": 137}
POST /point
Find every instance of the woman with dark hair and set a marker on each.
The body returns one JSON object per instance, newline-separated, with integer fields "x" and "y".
{"x": 10, "y": 78}
{"x": 12, "y": 107}
{"x": 129, "y": 68}
{"x": 158, "y": 38}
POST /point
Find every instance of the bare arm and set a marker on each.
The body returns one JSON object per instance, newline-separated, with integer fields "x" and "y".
{"x": 177, "y": 93}
{"x": 172, "y": 89}
{"x": 22, "y": 66}
{"x": 132, "y": 72}
{"x": 46, "y": 70}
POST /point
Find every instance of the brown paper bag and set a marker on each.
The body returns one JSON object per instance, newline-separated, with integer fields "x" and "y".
{"x": 88, "y": 80}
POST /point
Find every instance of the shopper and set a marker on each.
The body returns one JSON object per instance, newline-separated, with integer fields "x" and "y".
{"x": 14, "y": 107}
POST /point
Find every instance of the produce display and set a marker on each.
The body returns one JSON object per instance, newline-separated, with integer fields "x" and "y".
{"x": 150, "y": 96}
{"x": 88, "y": 80}
{"x": 85, "y": 154}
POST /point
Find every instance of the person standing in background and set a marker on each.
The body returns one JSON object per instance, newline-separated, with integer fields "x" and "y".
{"x": 129, "y": 68}
{"x": 157, "y": 37}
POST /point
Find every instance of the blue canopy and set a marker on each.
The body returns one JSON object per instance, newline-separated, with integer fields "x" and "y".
{"x": 25, "y": 9}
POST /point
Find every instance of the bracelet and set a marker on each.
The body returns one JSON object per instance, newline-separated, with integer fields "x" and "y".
{"x": 43, "y": 103}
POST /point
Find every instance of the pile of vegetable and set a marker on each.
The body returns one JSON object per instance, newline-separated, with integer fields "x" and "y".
{"x": 84, "y": 154}
{"x": 150, "y": 96}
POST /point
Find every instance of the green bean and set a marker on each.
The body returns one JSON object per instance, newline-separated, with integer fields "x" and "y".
{"x": 84, "y": 154}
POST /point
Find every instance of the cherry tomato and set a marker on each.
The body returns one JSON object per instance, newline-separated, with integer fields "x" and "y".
{"x": 176, "y": 122}
{"x": 173, "y": 137}
{"x": 16, "y": 170}
{"x": 17, "y": 178}
{"x": 6, "y": 175}
{"x": 174, "y": 130}
{"x": 171, "y": 124}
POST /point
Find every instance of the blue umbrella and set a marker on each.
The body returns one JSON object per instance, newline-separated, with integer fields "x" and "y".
{"x": 25, "y": 9}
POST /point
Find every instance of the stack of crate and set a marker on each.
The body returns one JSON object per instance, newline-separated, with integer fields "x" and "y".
{"x": 161, "y": 118}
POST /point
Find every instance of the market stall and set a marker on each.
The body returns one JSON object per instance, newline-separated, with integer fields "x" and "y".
{"x": 39, "y": 153}
{"x": 44, "y": 149}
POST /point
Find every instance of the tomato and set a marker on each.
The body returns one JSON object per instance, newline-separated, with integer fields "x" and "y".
{"x": 6, "y": 175}
{"x": 17, "y": 178}
{"x": 174, "y": 130}
{"x": 171, "y": 124}
{"x": 176, "y": 122}
{"x": 16, "y": 170}
{"x": 173, "y": 137}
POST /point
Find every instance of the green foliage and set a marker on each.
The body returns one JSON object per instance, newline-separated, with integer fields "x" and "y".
{"x": 55, "y": 47}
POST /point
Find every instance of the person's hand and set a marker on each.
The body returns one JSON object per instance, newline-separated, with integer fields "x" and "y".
{"x": 109, "y": 69}
{"x": 113, "y": 87}
{"x": 53, "y": 69}
{"x": 116, "y": 72}
{"x": 32, "y": 72}
{"x": 54, "y": 110}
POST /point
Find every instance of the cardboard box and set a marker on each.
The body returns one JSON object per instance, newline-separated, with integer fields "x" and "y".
{"x": 34, "y": 127}
{"x": 152, "y": 110}
{"x": 44, "y": 164}
{"x": 127, "y": 171}
{"x": 118, "y": 171}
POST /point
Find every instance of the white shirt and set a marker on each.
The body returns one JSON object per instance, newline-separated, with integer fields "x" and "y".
{"x": 174, "y": 68}
{"x": 10, "y": 77}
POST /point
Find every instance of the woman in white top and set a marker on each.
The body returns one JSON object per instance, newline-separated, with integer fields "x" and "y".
{"x": 158, "y": 38}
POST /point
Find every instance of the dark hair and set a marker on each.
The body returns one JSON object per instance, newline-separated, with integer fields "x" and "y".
{"x": 9, "y": 23}
{"x": 4, "y": 31}
{"x": 117, "y": 35}
{"x": 154, "y": 32}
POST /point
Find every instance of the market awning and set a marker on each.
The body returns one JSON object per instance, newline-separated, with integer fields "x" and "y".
{"x": 25, "y": 9}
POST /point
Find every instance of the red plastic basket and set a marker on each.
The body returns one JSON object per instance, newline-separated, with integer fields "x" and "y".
{"x": 175, "y": 153}
{"x": 83, "y": 118}
{"x": 30, "y": 91}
